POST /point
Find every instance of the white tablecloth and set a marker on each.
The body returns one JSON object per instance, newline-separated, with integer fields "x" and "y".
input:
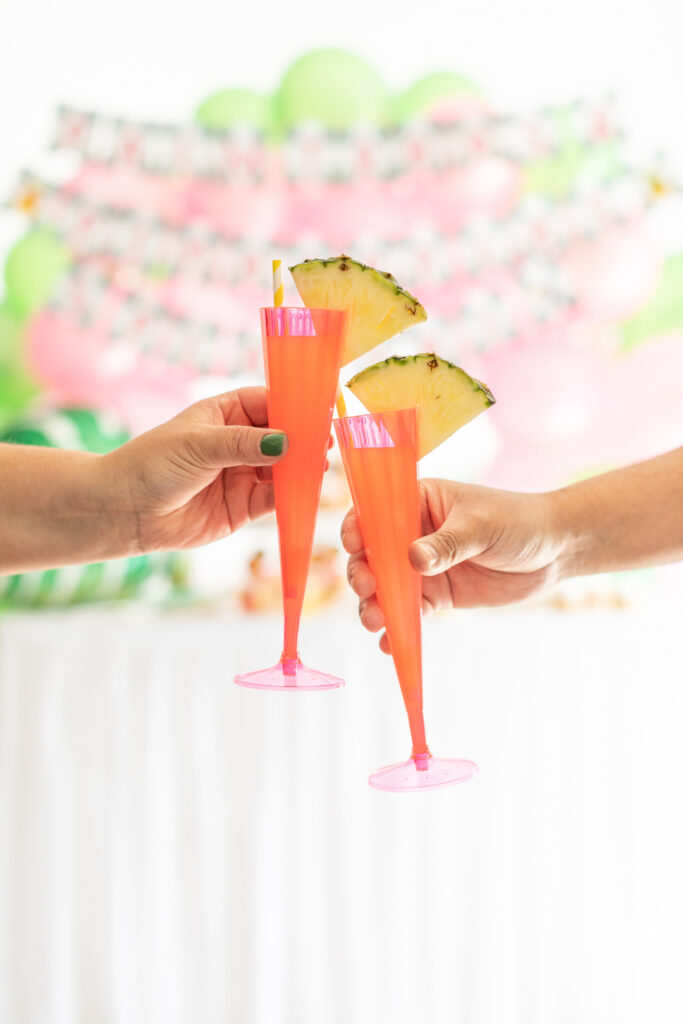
{"x": 175, "y": 849}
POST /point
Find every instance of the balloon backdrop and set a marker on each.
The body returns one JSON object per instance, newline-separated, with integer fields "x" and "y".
{"x": 32, "y": 269}
{"x": 615, "y": 275}
{"x": 571, "y": 410}
{"x": 558, "y": 173}
{"x": 525, "y": 237}
{"x": 663, "y": 312}
{"x": 125, "y": 188}
{"x": 77, "y": 365}
{"x": 236, "y": 108}
{"x": 17, "y": 387}
{"x": 642, "y": 409}
{"x": 332, "y": 88}
{"x": 440, "y": 97}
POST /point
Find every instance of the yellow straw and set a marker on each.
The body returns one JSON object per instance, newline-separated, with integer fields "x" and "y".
{"x": 341, "y": 404}
{"x": 278, "y": 287}
{"x": 278, "y": 299}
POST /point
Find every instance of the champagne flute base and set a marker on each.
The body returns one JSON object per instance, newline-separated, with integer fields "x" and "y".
{"x": 419, "y": 774}
{"x": 288, "y": 675}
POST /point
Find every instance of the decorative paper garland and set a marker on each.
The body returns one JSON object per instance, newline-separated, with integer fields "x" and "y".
{"x": 86, "y": 298}
{"x": 313, "y": 154}
{"x": 486, "y": 318}
{"x": 537, "y": 227}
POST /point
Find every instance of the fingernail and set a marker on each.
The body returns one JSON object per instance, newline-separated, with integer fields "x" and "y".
{"x": 430, "y": 555}
{"x": 272, "y": 444}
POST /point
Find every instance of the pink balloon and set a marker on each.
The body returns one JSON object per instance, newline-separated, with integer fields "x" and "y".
{"x": 548, "y": 388}
{"x": 614, "y": 276}
{"x": 565, "y": 411}
{"x": 522, "y": 467}
{"x": 148, "y": 397}
{"x": 64, "y": 359}
{"x": 80, "y": 366}
{"x": 548, "y": 410}
{"x": 642, "y": 408}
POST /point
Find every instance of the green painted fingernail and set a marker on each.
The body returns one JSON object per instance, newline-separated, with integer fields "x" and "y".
{"x": 272, "y": 444}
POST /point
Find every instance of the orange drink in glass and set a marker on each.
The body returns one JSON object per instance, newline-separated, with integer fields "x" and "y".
{"x": 379, "y": 452}
{"x": 302, "y": 351}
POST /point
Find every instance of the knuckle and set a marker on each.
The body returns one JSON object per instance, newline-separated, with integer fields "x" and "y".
{"x": 240, "y": 442}
{"x": 352, "y": 568}
{"x": 446, "y": 545}
{"x": 193, "y": 443}
{"x": 350, "y": 539}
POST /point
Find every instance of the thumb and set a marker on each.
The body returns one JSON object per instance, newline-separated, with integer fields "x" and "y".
{"x": 440, "y": 551}
{"x": 222, "y": 447}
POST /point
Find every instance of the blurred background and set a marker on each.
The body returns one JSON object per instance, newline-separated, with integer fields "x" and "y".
{"x": 175, "y": 849}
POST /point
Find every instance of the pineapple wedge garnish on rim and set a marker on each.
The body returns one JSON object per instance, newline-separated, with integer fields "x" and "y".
{"x": 376, "y": 305}
{"x": 445, "y": 396}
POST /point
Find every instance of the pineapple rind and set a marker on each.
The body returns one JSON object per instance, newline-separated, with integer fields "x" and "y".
{"x": 378, "y": 308}
{"x": 423, "y": 380}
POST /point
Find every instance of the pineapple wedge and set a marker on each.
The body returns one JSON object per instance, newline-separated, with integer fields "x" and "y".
{"x": 446, "y": 397}
{"x": 377, "y": 307}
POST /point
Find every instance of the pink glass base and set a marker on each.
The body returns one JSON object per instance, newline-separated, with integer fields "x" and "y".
{"x": 288, "y": 675}
{"x": 423, "y": 773}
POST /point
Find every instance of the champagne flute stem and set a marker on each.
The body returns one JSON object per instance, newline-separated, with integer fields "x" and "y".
{"x": 417, "y": 733}
{"x": 290, "y": 653}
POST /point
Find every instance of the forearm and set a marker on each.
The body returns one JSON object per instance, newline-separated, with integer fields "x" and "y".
{"x": 56, "y": 509}
{"x": 627, "y": 519}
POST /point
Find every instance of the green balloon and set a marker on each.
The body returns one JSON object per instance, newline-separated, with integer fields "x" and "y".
{"x": 235, "y": 108}
{"x": 663, "y": 313}
{"x": 17, "y": 388}
{"x": 11, "y": 334}
{"x": 431, "y": 90}
{"x": 33, "y": 267}
{"x": 17, "y": 391}
{"x": 332, "y": 88}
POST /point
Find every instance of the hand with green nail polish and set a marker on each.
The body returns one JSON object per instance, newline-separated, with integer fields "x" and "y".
{"x": 190, "y": 481}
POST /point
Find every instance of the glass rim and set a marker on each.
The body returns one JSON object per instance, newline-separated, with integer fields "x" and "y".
{"x": 302, "y": 309}
{"x": 357, "y": 417}
{"x": 392, "y": 428}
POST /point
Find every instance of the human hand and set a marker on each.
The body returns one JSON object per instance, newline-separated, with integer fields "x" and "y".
{"x": 201, "y": 475}
{"x": 479, "y": 546}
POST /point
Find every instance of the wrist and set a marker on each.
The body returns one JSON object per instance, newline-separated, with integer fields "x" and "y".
{"x": 569, "y": 532}
{"x": 85, "y": 513}
{"x": 114, "y": 509}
